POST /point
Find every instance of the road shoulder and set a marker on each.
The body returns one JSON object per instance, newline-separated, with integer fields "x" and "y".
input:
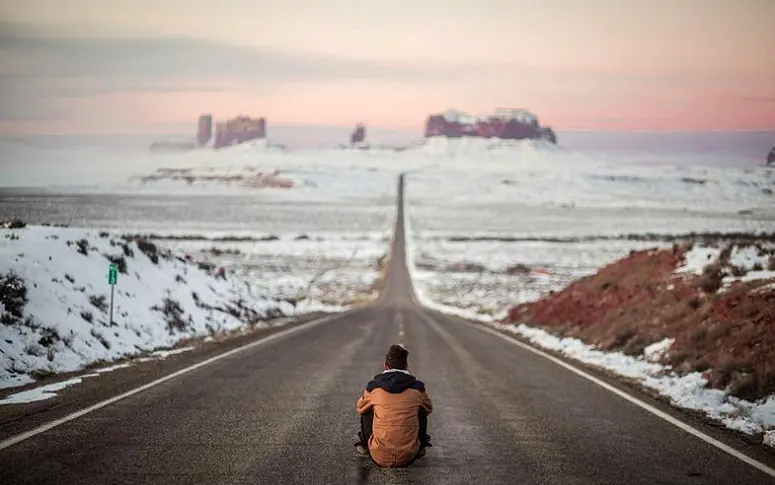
{"x": 19, "y": 418}
{"x": 735, "y": 440}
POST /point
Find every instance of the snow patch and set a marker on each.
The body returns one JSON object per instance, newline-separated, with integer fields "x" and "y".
{"x": 15, "y": 380}
{"x": 746, "y": 262}
{"x": 41, "y": 393}
{"x": 163, "y": 354}
{"x": 748, "y": 257}
{"x": 698, "y": 258}
{"x": 657, "y": 350}
{"x": 754, "y": 261}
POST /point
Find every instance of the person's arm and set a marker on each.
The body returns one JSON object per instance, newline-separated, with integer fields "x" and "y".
{"x": 364, "y": 404}
{"x": 425, "y": 403}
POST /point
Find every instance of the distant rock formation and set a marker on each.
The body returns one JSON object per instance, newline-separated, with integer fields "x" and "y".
{"x": 513, "y": 124}
{"x": 771, "y": 157}
{"x": 239, "y": 130}
{"x": 204, "y": 129}
{"x": 359, "y": 134}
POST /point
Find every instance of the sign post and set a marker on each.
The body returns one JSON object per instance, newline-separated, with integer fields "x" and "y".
{"x": 112, "y": 281}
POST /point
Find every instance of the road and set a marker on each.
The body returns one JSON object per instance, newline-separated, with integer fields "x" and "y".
{"x": 283, "y": 412}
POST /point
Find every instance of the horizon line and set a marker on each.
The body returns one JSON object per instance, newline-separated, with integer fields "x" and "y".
{"x": 396, "y": 129}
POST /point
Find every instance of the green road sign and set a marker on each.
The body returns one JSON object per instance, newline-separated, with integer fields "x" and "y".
{"x": 113, "y": 274}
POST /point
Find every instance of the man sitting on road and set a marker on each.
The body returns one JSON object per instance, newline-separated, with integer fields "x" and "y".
{"x": 394, "y": 412}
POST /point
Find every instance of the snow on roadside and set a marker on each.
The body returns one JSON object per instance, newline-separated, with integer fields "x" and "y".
{"x": 419, "y": 294}
{"x": 745, "y": 263}
{"x": 43, "y": 392}
{"x": 112, "y": 368}
{"x": 689, "y": 391}
{"x": 163, "y": 354}
{"x": 48, "y": 391}
{"x": 59, "y": 321}
{"x": 657, "y": 350}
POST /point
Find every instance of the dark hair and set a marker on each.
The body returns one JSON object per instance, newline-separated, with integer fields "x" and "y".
{"x": 396, "y": 357}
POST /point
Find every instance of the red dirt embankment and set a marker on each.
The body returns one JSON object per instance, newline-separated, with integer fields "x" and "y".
{"x": 728, "y": 333}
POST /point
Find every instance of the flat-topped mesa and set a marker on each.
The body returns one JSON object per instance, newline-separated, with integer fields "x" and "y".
{"x": 504, "y": 123}
{"x": 239, "y": 130}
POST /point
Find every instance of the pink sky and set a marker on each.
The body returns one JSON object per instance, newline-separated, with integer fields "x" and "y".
{"x": 97, "y": 66}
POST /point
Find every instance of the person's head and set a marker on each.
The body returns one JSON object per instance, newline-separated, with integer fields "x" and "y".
{"x": 396, "y": 358}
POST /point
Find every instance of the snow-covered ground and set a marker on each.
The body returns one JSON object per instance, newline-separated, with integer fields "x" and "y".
{"x": 445, "y": 173}
{"x": 335, "y": 269}
{"x": 55, "y": 297}
{"x": 488, "y": 277}
{"x": 41, "y": 393}
{"x": 479, "y": 297}
{"x": 687, "y": 391}
{"x": 472, "y": 187}
{"x": 743, "y": 263}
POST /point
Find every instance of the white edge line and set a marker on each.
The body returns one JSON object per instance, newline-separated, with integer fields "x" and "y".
{"x": 8, "y": 442}
{"x": 648, "y": 407}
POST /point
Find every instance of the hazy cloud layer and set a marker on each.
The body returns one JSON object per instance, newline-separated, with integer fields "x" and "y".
{"x": 162, "y": 58}
{"x": 37, "y": 68}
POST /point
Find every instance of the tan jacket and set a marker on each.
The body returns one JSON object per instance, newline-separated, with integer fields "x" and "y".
{"x": 396, "y": 398}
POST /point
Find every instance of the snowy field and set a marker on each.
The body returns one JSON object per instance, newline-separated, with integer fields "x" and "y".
{"x": 518, "y": 226}
{"x": 332, "y": 269}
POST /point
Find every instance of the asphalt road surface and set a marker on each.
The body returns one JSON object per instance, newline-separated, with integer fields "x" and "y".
{"x": 283, "y": 412}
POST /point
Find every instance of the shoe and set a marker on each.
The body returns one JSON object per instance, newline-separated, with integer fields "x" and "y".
{"x": 361, "y": 450}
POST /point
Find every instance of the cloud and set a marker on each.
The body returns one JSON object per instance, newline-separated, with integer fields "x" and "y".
{"x": 39, "y": 67}
{"x": 158, "y": 59}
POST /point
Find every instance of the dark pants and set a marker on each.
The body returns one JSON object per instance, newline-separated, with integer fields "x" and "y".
{"x": 367, "y": 421}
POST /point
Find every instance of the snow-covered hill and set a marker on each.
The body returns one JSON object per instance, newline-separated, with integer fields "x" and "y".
{"x": 55, "y": 297}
